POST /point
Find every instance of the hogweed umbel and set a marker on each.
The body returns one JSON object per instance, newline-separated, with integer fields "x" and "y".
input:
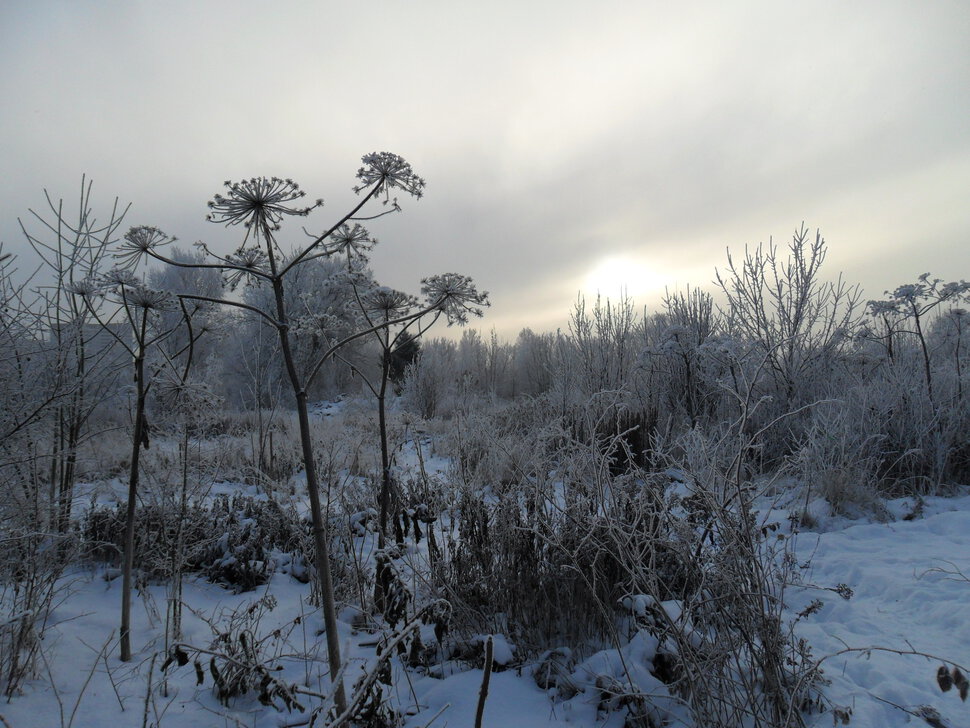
{"x": 259, "y": 202}
{"x": 389, "y": 171}
{"x": 140, "y": 241}
{"x": 354, "y": 240}
{"x": 454, "y": 295}
{"x": 389, "y": 303}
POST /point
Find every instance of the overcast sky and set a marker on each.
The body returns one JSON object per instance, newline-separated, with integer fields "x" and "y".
{"x": 568, "y": 146}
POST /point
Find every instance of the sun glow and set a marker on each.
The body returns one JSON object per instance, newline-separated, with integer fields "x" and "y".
{"x": 621, "y": 274}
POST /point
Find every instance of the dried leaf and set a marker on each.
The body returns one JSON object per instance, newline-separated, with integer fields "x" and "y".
{"x": 220, "y": 685}
{"x": 930, "y": 715}
{"x": 842, "y": 715}
{"x": 943, "y": 678}
{"x": 960, "y": 680}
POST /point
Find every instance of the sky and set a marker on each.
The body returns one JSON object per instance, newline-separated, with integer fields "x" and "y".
{"x": 568, "y": 147}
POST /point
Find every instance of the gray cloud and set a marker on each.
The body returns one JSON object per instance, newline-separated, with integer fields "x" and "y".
{"x": 553, "y": 135}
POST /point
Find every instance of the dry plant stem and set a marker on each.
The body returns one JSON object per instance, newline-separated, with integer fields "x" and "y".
{"x": 434, "y": 717}
{"x": 225, "y": 717}
{"x": 138, "y": 320}
{"x": 148, "y": 692}
{"x": 320, "y": 532}
{"x": 111, "y": 679}
{"x": 102, "y": 653}
{"x": 387, "y": 344}
{"x": 261, "y": 213}
{"x": 929, "y": 719}
{"x": 483, "y": 691}
{"x": 136, "y": 444}
{"x": 57, "y": 694}
{"x": 384, "y": 655}
{"x": 321, "y": 536}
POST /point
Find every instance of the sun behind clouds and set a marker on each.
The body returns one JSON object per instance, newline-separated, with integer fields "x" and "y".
{"x": 610, "y": 277}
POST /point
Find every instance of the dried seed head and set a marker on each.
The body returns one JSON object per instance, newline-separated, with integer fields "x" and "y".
{"x": 389, "y": 171}
{"x": 260, "y": 203}
{"x": 454, "y": 295}
{"x": 140, "y": 241}
{"x": 351, "y": 240}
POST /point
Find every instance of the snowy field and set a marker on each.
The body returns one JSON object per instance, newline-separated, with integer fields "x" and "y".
{"x": 908, "y": 595}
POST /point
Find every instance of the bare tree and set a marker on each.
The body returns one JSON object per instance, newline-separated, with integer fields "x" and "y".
{"x": 794, "y": 319}
{"x": 72, "y": 249}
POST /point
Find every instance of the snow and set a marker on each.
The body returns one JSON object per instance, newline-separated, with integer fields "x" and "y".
{"x": 907, "y": 596}
{"x": 512, "y": 701}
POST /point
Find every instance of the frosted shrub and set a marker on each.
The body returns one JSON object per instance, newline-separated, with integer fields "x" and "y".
{"x": 232, "y": 541}
{"x": 243, "y": 657}
{"x": 728, "y": 652}
{"x": 553, "y": 537}
{"x": 676, "y": 363}
{"x": 795, "y": 327}
{"x": 839, "y": 459}
{"x": 35, "y": 489}
{"x": 31, "y": 565}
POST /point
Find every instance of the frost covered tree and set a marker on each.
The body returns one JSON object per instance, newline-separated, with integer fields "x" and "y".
{"x": 259, "y": 206}
{"x": 83, "y": 360}
{"x": 794, "y": 320}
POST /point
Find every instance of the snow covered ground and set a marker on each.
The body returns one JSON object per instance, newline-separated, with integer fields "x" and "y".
{"x": 907, "y": 595}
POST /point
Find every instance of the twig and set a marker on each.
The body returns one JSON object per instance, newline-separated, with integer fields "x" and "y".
{"x": 57, "y": 695}
{"x": 111, "y": 679}
{"x": 363, "y": 687}
{"x": 927, "y": 713}
{"x": 433, "y": 717}
{"x": 148, "y": 692}
{"x": 483, "y": 692}
{"x": 866, "y": 651}
{"x": 101, "y": 653}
